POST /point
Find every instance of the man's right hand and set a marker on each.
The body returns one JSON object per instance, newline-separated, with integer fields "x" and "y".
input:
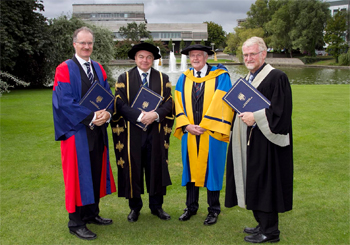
{"x": 195, "y": 129}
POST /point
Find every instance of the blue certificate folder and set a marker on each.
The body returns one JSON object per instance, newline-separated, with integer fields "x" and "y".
{"x": 243, "y": 97}
{"x": 97, "y": 98}
{"x": 146, "y": 100}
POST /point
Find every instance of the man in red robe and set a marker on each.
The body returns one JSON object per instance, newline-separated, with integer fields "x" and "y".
{"x": 83, "y": 135}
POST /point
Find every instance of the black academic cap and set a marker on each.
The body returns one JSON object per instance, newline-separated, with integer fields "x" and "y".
{"x": 144, "y": 46}
{"x": 197, "y": 47}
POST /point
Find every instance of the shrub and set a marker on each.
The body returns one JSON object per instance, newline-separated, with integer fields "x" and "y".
{"x": 344, "y": 59}
{"x": 311, "y": 59}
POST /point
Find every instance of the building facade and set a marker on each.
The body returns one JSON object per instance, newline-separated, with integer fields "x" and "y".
{"x": 114, "y": 16}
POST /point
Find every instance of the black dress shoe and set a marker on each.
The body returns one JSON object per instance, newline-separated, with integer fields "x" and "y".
{"x": 161, "y": 214}
{"x": 133, "y": 216}
{"x": 260, "y": 238}
{"x": 187, "y": 215}
{"x": 83, "y": 233}
{"x": 254, "y": 230}
{"x": 211, "y": 218}
{"x": 100, "y": 221}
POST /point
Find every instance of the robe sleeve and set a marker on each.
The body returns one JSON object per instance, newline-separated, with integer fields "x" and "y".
{"x": 275, "y": 122}
{"x": 181, "y": 118}
{"x": 122, "y": 103}
{"x": 218, "y": 118}
{"x": 67, "y": 112}
{"x": 166, "y": 107}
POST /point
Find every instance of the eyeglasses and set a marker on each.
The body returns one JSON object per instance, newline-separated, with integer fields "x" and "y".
{"x": 149, "y": 57}
{"x": 84, "y": 43}
{"x": 251, "y": 54}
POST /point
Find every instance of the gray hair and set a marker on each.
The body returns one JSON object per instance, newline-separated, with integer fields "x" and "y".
{"x": 84, "y": 28}
{"x": 255, "y": 40}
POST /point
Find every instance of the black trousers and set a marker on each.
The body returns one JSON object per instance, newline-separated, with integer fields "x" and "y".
{"x": 155, "y": 201}
{"x": 192, "y": 197}
{"x": 268, "y": 222}
{"x": 82, "y": 214}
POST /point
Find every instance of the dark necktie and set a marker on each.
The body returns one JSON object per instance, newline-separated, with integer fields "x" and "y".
{"x": 198, "y": 85}
{"x": 144, "y": 81}
{"x": 89, "y": 73}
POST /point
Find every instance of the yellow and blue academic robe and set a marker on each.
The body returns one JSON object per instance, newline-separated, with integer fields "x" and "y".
{"x": 204, "y": 164}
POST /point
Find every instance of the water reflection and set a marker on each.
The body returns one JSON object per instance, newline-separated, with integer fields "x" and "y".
{"x": 296, "y": 75}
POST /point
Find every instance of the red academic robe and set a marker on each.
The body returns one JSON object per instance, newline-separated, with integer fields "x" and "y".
{"x": 68, "y": 115}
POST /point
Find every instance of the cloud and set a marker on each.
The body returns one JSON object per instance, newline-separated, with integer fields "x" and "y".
{"x": 222, "y": 12}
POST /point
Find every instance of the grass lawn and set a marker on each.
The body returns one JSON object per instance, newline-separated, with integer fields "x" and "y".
{"x": 32, "y": 190}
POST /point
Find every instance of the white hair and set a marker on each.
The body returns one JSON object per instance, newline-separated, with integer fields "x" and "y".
{"x": 255, "y": 40}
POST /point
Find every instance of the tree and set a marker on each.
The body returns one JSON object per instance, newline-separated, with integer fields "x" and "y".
{"x": 24, "y": 40}
{"x": 335, "y": 34}
{"x": 135, "y": 32}
{"x": 123, "y": 47}
{"x": 170, "y": 45}
{"x": 182, "y": 45}
{"x": 163, "y": 49}
{"x": 280, "y": 27}
{"x": 215, "y": 35}
{"x": 309, "y": 24}
{"x": 289, "y": 24}
{"x": 261, "y": 13}
{"x": 236, "y": 40}
{"x": 4, "y": 82}
{"x": 61, "y": 30}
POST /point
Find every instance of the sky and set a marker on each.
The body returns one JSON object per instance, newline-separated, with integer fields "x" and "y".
{"x": 222, "y": 12}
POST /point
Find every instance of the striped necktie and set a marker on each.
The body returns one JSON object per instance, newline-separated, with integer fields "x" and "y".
{"x": 144, "y": 81}
{"x": 89, "y": 73}
{"x": 251, "y": 77}
{"x": 198, "y": 85}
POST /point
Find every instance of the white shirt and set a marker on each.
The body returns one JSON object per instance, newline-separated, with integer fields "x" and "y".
{"x": 203, "y": 72}
{"x": 82, "y": 63}
{"x": 148, "y": 75}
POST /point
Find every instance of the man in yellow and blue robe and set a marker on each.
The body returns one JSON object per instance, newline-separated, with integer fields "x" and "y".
{"x": 203, "y": 122}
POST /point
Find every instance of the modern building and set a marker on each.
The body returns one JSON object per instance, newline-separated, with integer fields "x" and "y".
{"x": 114, "y": 16}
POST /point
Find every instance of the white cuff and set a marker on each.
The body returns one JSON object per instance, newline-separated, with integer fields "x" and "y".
{"x": 139, "y": 118}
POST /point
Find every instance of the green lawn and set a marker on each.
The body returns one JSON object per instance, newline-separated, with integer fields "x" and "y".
{"x": 32, "y": 189}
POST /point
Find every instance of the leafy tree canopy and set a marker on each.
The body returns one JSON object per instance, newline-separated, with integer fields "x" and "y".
{"x": 215, "y": 35}
{"x": 289, "y": 24}
{"x": 335, "y": 34}
{"x": 236, "y": 40}
{"x": 134, "y": 32}
{"x": 24, "y": 40}
{"x": 61, "y": 30}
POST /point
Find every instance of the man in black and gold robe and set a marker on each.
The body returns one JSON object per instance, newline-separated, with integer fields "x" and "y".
{"x": 137, "y": 150}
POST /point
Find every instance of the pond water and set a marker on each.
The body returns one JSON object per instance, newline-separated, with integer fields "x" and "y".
{"x": 296, "y": 75}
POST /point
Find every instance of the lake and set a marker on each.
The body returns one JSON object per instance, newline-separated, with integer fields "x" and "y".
{"x": 296, "y": 75}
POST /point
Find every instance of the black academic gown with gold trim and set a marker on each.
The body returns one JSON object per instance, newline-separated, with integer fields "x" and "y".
{"x": 127, "y": 136}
